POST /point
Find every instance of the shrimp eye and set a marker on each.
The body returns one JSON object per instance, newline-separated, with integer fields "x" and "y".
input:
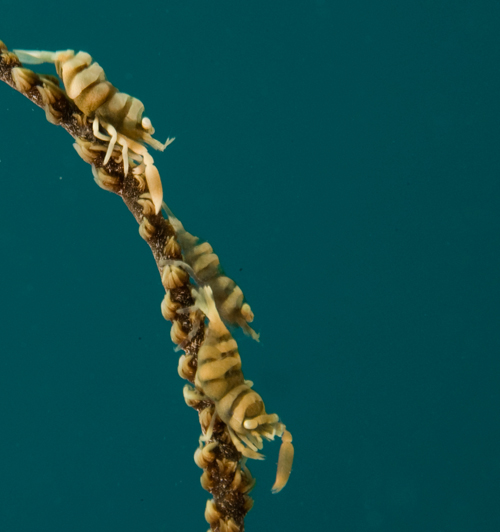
{"x": 146, "y": 123}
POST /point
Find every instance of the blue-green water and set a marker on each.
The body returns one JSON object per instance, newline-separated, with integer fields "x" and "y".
{"x": 342, "y": 159}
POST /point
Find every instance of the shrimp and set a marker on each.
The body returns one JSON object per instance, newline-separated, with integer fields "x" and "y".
{"x": 118, "y": 113}
{"x": 204, "y": 266}
{"x": 220, "y": 378}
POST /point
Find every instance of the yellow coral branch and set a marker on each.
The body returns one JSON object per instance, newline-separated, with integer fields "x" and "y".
{"x": 114, "y": 146}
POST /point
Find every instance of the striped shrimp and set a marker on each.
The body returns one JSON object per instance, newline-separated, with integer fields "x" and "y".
{"x": 118, "y": 113}
{"x": 204, "y": 266}
{"x": 220, "y": 378}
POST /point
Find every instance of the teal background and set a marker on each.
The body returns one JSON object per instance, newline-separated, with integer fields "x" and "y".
{"x": 343, "y": 160}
